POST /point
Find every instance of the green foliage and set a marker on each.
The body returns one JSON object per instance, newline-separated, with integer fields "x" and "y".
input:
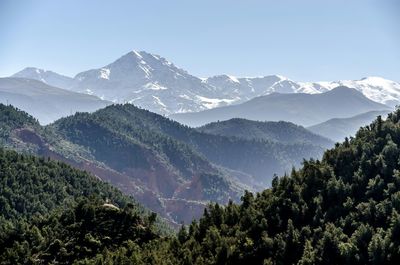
{"x": 279, "y": 131}
{"x": 12, "y": 118}
{"x": 114, "y": 145}
{"x": 116, "y": 138}
{"x": 119, "y": 136}
{"x": 35, "y": 185}
{"x": 76, "y": 234}
{"x": 53, "y": 213}
{"x": 124, "y": 129}
{"x": 343, "y": 209}
{"x": 340, "y": 210}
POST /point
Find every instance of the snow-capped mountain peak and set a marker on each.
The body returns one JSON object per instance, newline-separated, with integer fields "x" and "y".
{"x": 375, "y": 88}
{"x": 377, "y": 81}
{"x": 151, "y": 81}
{"x": 47, "y": 77}
{"x": 233, "y": 79}
{"x": 249, "y": 87}
{"x": 33, "y": 73}
{"x": 137, "y": 54}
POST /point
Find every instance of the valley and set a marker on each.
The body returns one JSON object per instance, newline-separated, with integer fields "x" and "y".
{"x": 170, "y": 168}
{"x": 160, "y": 162}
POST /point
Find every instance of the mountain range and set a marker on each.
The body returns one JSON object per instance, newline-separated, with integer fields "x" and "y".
{"x": 340, "y": 206}
{"x": 152, "y": 82}
{"x": 172, "y": 169}
{"x": 299, "y": 108}
{"x": 342, "y": 209}
{"x": 167, "y": 166}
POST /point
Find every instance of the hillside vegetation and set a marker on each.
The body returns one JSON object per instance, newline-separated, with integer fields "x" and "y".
{"x": 172, "y": 169}
{"x": 257, "y": 157}
{"x": 343, "y": 209}
{"x": 53, "y": 213}
{"x": 275, "y": 131}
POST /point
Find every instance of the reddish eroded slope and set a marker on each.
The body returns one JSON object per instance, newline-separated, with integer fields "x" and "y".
{"x": 159, "y": 188}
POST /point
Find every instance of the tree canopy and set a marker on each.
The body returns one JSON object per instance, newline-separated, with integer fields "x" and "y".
{"x": 342, "y": 209}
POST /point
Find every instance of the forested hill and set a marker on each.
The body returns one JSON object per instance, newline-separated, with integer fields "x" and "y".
{"x": 259, "y": 158}
{"x": 11, "y": 119}
{"x": 276, "y": 131}
{"x": 35, "y": 185}
{"x": 51, "y": 213}
{"x": 168, "y": 167}
{"x": 343, "y": 209}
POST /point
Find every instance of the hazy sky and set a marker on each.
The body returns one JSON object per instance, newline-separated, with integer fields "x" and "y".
{"x": 303, "y": 40}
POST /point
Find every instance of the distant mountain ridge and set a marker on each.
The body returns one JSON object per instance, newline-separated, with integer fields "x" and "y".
{"x": 48, "y": 77}
{"x": 375, "y": 88}
{"x": 152, "y": 82}
{"x": 339, "y": 128}
{"x": 45, "y": 102}
{"x": 281, "y": 131}
{"x": 299, "y": 108}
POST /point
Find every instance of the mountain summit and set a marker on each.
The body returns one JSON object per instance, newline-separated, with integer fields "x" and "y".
{"x": 48, "y": 77}
{"x": 149, "y": 81}
{"x": 154, "y": 83}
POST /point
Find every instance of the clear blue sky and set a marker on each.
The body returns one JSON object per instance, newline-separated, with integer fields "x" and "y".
{"x": 303, "y": 40}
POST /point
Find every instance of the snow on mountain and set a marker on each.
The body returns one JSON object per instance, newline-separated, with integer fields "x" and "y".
{"x": 149, "y": 81}
{"x": 247, "y": 88}
{"x": 299, "y": 108}
{"x": 375, "y": 88}
{"x": 48, "y": 77}
{"x": 152, "y": 82}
